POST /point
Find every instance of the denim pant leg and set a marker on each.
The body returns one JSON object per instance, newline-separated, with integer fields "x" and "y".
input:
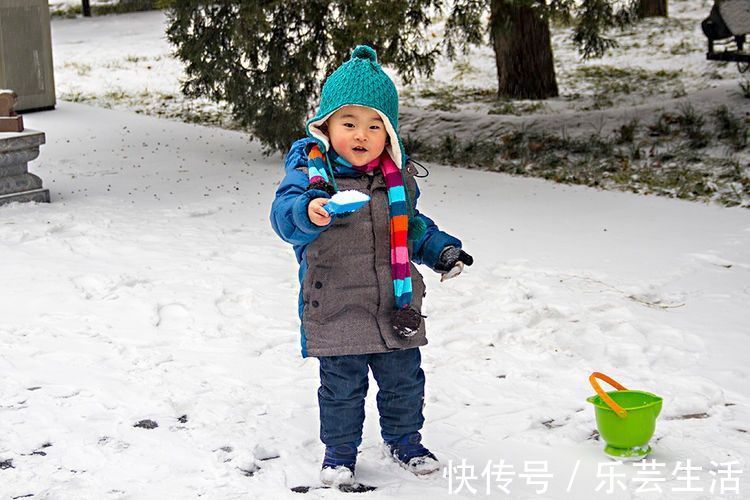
{"x": 341, "y": 397}
{"x": 400, "y": 392}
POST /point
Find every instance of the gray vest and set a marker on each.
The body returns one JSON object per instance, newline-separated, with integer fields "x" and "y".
{"x": 348, "y": 288}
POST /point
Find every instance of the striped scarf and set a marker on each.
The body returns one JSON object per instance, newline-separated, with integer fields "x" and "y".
{"x": 397, "y": 207}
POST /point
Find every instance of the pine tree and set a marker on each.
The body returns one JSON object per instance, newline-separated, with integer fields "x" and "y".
{"x": 268, "y": 59}
{"x": 520, "y": 35}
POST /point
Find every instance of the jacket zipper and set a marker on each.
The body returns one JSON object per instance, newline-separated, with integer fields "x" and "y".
{"x": 375, "y": 244}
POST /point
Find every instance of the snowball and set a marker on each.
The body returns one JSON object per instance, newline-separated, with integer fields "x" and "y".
{"x": 349, "y": 196}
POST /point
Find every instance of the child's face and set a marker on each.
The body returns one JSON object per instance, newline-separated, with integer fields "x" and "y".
{"x": 357, "y": 133}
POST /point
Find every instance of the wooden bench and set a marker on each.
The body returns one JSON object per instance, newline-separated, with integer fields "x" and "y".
{"x": 728, "y": 24}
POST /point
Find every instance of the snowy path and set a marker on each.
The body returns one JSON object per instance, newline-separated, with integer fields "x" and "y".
{"x": 153, "y": 288}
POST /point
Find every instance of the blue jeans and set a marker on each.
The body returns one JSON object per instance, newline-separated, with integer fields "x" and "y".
{"x": 343, "y": 386}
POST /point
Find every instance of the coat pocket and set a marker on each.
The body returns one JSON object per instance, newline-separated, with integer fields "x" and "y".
{"x": 313, "y": 294}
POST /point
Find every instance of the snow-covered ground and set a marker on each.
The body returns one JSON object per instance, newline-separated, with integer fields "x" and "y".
{"x": 153, "y": 288}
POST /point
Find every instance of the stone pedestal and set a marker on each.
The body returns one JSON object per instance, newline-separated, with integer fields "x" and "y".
{"x": 17, "y": 149}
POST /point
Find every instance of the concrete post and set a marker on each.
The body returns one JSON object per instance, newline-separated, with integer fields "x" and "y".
{"x": 17, "y": 149}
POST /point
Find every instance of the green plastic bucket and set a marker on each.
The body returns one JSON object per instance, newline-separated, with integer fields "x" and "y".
{"x": 626, "y": 419}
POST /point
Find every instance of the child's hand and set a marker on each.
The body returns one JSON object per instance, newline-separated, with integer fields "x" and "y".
{"x": 317, "y": 213}
{"x": 451, "y": 262}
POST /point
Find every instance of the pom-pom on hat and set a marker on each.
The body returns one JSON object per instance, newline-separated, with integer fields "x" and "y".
{"x": 360, "y": 81}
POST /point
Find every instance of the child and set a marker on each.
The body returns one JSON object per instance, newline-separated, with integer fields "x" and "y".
{"x": 360, "y": 299}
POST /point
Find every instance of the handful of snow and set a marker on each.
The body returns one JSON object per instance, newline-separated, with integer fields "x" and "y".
{"x": 346, "y": 201}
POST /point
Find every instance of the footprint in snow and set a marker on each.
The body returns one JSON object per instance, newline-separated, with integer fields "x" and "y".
{"x": 237, "y": 304}
{"x": 203, "y": 213}
{"x": 105, "y": 287}
{"x": 715, "y": 260}
{"x": 173, "y": 316}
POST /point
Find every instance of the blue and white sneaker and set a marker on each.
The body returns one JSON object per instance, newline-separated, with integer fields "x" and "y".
{"x": 409, "y": 453}
{"x": 338, "y": 465}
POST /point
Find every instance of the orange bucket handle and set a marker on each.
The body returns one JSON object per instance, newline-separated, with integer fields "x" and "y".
{"x": 621, "y": 412}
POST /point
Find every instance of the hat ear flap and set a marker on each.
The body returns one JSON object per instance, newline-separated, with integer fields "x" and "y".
{"x": 393, "y": 144}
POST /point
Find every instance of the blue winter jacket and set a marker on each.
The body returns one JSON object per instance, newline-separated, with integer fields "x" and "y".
{"x": 290, "y": 221}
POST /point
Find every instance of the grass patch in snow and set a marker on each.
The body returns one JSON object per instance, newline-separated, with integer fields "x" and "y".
{"x": 731, "y": 127}
{"x": 518, "y": 108}
{"x": 609, "y": 84}
{"x": 451, "y": 97}
{"x": 81, "y": 69}
{"x": 691, "y": 123}
{"x": 678, "y": 156}
{"x": 162, "y": 105}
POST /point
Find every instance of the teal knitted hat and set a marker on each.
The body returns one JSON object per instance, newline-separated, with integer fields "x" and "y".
{"x": 360, "y": 81}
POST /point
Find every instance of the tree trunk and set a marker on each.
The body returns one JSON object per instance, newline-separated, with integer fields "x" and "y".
{"x": 523, "y": 51}
{"x": 86, "y": 8}
{"x": 652, "y": 8}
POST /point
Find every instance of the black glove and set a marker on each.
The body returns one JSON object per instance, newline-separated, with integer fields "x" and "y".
{"x": 406, "y": 322}
{"x": 450, "y": 256}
